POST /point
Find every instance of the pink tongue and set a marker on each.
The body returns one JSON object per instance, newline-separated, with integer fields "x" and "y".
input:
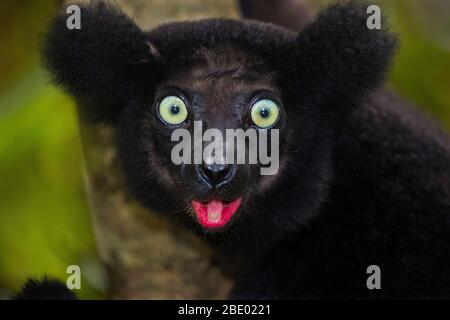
{"x": 214, "y": 211}
{"x": 215, "y": 214}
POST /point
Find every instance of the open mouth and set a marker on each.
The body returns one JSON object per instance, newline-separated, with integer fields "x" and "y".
{"x": 215, "y": 214}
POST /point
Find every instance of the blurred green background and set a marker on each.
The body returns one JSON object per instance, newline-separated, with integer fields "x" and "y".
{"x": 44, "y": 215}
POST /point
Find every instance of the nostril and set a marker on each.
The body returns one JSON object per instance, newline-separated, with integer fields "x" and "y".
{"x": 216, "y": 173}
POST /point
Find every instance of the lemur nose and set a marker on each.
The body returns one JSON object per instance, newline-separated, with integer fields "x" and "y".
{"x": 216, "y": 173}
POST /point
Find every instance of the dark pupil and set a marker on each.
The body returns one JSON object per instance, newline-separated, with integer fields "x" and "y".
{"x": 264, "y": 113}
{"x": 175, "y": 109}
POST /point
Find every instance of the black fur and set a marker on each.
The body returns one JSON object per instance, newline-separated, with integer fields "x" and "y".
{"x": 388, "y": 205}
{"x": 47, "y": 289}
{"x": 102, "y": 64}
{"x": 339, "y": 58}
{"x": 365, "y": 179}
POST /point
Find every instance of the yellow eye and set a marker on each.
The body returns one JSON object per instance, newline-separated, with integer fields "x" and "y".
{"x": 265, "y": 113}
{"x": 173, "y": 110}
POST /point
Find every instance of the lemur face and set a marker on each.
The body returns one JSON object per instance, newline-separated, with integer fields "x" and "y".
{"x": 221, "y": 89}
{"x": 224, "y": 74}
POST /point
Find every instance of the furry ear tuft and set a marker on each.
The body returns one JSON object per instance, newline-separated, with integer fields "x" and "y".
{"x": 100, "y": 63}
{"x": 339, "y": 58}
{"x": 46, "y": 289}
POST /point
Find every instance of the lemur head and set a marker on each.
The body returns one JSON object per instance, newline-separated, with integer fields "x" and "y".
{"x": 222, "y": 74}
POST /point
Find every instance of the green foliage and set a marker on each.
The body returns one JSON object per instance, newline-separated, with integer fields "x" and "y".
{"x": 422, "y": 69}
{"x": 45, "y": 224}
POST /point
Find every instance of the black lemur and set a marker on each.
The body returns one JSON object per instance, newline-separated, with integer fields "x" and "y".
{"x": 363, "y": 178}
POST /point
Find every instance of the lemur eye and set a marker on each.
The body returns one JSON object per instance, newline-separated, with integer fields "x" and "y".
{"x": 172, "y": 110}
{"x": 265, "y": 113}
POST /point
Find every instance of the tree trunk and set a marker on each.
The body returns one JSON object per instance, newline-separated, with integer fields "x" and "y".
{"x": 146, "y": 256}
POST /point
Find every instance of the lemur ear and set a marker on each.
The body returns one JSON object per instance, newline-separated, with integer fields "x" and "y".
{"x": 100, "y": 64}
{"x": 339, "y": 58}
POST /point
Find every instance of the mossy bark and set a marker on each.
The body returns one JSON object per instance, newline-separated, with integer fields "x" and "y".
{"x": 146, "y": 256}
